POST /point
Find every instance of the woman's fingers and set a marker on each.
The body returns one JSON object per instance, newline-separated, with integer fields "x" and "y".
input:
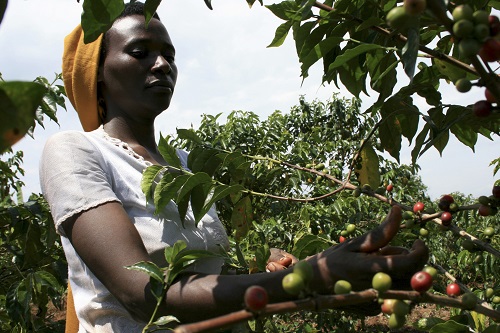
{"x": 399, "y": 263}
{"x": 380, "y": 236}
{"x": 359, "y": 267}
{"x": 274, "y": 266}
{"x": 392, "y": 250}
{"x": 281, "y": 257}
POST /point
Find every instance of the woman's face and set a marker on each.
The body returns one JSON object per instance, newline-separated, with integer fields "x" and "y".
{"x": 138, "y": 75}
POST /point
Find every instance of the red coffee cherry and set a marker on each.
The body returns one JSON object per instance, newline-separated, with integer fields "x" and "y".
{"x": 453, "y": 290}
{"x": 256, "y": 298}
{"x": 446, "y": 218}
{"x": 418, "y": 207}
{"x": 421, "y": 281}
{"x": 482, "y": 109}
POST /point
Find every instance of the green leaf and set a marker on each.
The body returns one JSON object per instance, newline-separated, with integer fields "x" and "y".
{"x": 149, "y": 268}
{"x": 150, "y": 7}
{"x": 496, "y": 163}
{"x": 167, "y": 190}
{"x": 209, "y": 4}
{"x": 213, "y": 164}
{"x": 439, "y": 135}
{"x": 44, "y": 278}
{"x": 451, "y": 72}
{"x": 171, "y": 252}
{"x": 410, "y": 52}
{"x": 18, "y": 104}
{"x": 199, "y": 196}
{"x": 399, "y": 117}
{"x": 191, "y": 182}
{"x": 369, "y": 172}
{"x": 301, "y": 35}
{"x": 353, "y": 76}
{"x": 219, "y": 192}
{"x": 190, "y": 255}
{"x": 98, "y": 16}
{"x": 285, "y": 10}
{"x": 492, "y": 329}
{"x": 319, "y": 51}
{"x": 426, "y": 84}
{"x": 190, "y": 135}
{"x": 450, "y": 327}
{"x": 3, "y": 7}
{"x": 262, "y": 253}
{"x": 241, "y": 217}
{"x": 370, "y": 22}
{"x": 206, "y": 160}
{"x": 157, "y": 288}
{"x": 182, "y": 207}
{"x": 419, "y": 141}
{"x": 166, "y": 320}
{"x": 185, "y": 258}
{"x": 169, "y": 153}
{"x": 184, "y": 193}
{"x": 382, "y": 69}
{"x": 280, "y": 34}
{"x": 148, "y": 180}
{"x": 309, "y": 245}
{"x": 479, "y": 320}
{"x": 353, "y": 53}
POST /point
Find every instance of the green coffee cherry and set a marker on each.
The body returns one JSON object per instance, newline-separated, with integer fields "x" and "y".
{"x": 463, "y": 85}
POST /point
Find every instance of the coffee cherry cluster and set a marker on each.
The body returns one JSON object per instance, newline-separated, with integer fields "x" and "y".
{"x": 488, "y": 205}
{"x": 349, "y": 230}
{"x": 296, "y": 282}
{"x": 492, "y": 295}
{"x": 474, "y": 31}
{"x": 448, "y": 206}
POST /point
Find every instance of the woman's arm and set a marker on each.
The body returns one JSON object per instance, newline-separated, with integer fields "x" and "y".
{"x": 107, "y": 241}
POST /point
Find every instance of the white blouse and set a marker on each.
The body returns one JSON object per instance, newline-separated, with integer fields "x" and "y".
{"x": 81, "y": 170}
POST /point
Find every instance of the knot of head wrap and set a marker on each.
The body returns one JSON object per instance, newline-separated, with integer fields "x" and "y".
{"x": 80, "y": 66}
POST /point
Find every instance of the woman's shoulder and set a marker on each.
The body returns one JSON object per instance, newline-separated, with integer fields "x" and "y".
{"x": 72, "y": 138}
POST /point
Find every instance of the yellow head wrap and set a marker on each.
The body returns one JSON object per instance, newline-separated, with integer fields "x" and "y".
{"x": 79, "y": 70}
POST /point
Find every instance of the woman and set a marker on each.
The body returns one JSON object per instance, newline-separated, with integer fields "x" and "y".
{"x": 119, "y": 85}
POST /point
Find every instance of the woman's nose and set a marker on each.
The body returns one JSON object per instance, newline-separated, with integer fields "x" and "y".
{"x": 161, "y": 64}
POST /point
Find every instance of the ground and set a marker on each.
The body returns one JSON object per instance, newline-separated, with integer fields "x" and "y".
{"x": 378, "y": 323}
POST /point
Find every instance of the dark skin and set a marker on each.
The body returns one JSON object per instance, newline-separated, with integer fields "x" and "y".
{"x": 138, "y": 78}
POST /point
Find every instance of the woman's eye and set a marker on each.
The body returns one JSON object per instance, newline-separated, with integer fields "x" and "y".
{"x": 138, "y": 53}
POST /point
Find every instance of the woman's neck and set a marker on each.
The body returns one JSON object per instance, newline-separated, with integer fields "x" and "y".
{"x": 140, "y": 137}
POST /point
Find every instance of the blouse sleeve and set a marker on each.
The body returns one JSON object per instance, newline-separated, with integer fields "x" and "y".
{"x": 73, "y": 176}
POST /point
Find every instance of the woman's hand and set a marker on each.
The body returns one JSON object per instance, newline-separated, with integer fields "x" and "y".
{"x": 358, "y": 259}
{"x": 280, "y": 259}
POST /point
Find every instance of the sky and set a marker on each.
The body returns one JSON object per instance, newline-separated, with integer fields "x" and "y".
{"x": 224, "y": 64}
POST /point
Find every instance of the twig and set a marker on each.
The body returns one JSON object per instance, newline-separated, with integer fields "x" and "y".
{"x": 328, "y": 302}
{"x": 402, "y": 38}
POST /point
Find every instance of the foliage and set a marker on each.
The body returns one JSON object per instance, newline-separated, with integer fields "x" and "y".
{"x": 32, "y": 264}
{"x": 34, "y": 270}
{"x": 285, "y": 213}
{"x": 161, "y": 278}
